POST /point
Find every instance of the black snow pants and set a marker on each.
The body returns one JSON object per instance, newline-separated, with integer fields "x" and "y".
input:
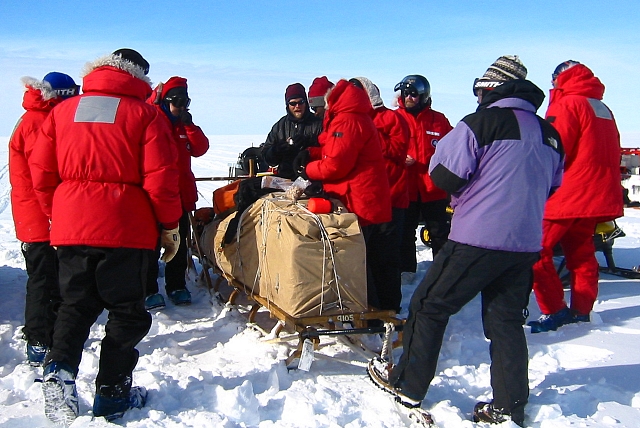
{"x": 43, "y": 293}
{"x": 93, "y": 279}
{"x": 458, "y": 273}
{"x": 383, "y": 262}
{"x": 436, "y": 220}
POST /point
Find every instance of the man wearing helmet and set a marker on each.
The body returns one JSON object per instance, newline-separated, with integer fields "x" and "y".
{"x": 427, "y": 127}
{"x": 590, "y": 193}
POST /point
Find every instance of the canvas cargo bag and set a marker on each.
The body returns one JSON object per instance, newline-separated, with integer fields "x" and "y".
{"x": 305, "y": 264}
{"x": 238, "y": 263}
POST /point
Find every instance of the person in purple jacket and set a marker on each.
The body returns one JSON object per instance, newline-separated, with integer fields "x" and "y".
{"x": 499, "y": 164}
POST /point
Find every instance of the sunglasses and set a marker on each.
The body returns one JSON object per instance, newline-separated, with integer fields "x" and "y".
{"x": 179, "y": 102}
{"x": 297, "y": 103}
{"x": 411, "y": 93}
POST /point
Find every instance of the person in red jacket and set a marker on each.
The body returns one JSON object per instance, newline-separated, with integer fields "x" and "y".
{"x": 32, "y": 225}
{"x": 172, "y": 99}
{"x": 350, "y": 165}
{"x": 427, "y": 201}
{"x": 317, "y": 91}
{"x": 590, "y": 193}
{"x": 104, "y": 172}
{"x": 394, "y": 138}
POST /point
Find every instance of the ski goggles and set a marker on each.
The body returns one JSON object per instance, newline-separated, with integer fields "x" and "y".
{"x": 179, "y": 101}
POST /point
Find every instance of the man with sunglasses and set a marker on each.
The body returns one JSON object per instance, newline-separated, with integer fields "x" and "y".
{"x": 294, "y": 132}
{"x": 172, "y": 99}
{"x": 427, "y": 201}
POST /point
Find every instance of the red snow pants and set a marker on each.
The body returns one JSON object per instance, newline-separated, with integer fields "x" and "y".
{"x": 575, "y": 236}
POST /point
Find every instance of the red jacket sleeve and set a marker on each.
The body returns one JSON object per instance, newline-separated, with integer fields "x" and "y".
{"x": 394, "y": 135}
{"x": 565, "y": 121}
{"x": 198, "y": 141}
{"x": 43, "y": 165}
{"x": 342, "y": 145}
{"x": 160, "y": 174}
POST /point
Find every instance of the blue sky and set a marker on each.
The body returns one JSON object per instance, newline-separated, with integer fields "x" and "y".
{"x": 240, "y": 55}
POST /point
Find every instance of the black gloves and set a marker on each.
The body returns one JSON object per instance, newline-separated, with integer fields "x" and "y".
{"x": 300, "y": 162}
{"x": 185, "y": 117}
{"x": 314, "y": 189}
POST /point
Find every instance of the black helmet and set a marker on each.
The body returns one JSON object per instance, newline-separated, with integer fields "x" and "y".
{"x": 562, "y": 67}
{"x": 417, "y": 83}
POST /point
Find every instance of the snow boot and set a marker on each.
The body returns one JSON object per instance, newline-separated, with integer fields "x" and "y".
{"x": 379, "y": 370}
{"x": 35, "y": 353}
{"x": 111, "y": 402}
{"x": 580, "y": 318}
{"x": 551, "y": 322}
{"x": 60, "y": 395}
{"x": 485, "y": 412}
{"x": 180, "y": 297}
{"x": 155, "y": 301}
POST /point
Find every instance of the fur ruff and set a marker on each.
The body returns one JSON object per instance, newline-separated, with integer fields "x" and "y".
{"x": 46, "y": 91}
{"x": 117, "y": 62}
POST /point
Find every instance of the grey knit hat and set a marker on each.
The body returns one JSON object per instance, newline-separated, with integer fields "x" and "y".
{"x": 505, "y": 68}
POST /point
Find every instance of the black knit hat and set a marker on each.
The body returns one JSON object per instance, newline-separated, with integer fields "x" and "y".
{"x": 133, "y": 57}
{"x": 295, "y": 90}
{"x": 505, "y": 68}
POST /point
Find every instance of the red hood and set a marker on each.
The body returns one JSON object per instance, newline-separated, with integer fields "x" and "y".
{"x": 33, "y": 100}
{"x": 577, "y": 80}
{"x": 347, "y": 98}
{"x": 111, "y": 80}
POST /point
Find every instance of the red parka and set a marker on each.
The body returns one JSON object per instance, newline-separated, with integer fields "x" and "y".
{"x": 427, "y": 128}
{"x": 591, "y": 185}
{"x": 351, "y": 166}
{"x": 190, "y": 141}
{"x": 394, "y": 138}
{"x": 32, "y": 225}
{"x": 104, "y": 164}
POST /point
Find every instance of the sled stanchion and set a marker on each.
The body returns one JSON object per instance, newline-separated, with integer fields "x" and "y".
{"x": 203, "y": 263}
{"x": 228, "y": 178}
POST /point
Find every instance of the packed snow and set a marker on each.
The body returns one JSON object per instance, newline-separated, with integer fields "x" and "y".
{"x": 205, "y": 366}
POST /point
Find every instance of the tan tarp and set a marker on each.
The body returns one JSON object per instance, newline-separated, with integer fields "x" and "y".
{"x": 284, "y": 256}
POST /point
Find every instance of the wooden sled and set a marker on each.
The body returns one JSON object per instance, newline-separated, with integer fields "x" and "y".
{"x": 348, "y": 327}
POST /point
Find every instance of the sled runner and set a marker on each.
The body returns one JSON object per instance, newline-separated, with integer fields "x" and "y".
{"x": 306, "y": 269}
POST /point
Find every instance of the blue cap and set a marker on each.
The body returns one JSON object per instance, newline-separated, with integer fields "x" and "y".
{"x": 62, "y": 84}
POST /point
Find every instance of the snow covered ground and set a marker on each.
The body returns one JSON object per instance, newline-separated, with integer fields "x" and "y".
{"x": 205, "y": 367}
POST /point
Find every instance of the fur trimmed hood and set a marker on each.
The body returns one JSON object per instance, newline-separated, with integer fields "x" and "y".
{"x": 373, "y": 91}
{"x": 46, "y": 91}
{"x": 116, "y": 61}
